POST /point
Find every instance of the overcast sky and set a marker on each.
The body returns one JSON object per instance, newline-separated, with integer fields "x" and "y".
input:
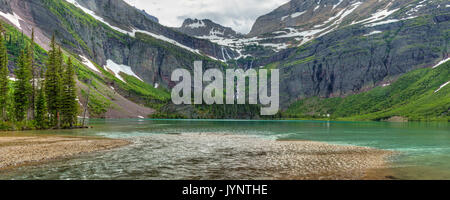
{"x": 237, "y": 14}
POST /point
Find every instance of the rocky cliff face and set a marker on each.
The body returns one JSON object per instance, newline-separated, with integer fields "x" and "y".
{"x": 300, "y": 21}
{"x": 307, "y": 14}
{"x": 330, "y": 48}
{"x": 358, "y": 58}
{"x": 206, "y": 28}
{"x": 124, "y": 16}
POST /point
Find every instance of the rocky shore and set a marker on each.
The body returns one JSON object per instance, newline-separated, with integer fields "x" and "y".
{"x": 200, "y": 156}
{"x": 22, "y": 150}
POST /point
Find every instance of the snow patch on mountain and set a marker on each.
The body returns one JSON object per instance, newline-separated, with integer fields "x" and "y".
{"x": 293, "y": 15}
{"x": 13, "y": 18}
{"x": 198, "y": 24}
{"x": 379, "y": 15}
{"x": 297, "y": 14}
{"x": 442, "y": 86}
{"x": 277, "y": 47}
{"x": 89, "y": 64}
{"x": 317, "y": 7}
{"x": 373, "y": 33}
{"x": 95, "y": 16}
{"x": 339, "y": 3}
{"x": 416, "y": 9}
{"x": 116, "y": 68}
{"x": 388, "y": 21}
{"x": 166, "y": 39}
{"x": 442, "y": 62}
{"x": 308, "y": 35}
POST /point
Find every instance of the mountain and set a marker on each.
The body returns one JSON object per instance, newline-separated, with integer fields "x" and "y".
{"x": 328, "y": 49}
{"x": 321, "y": 16}
{"x": 299, "y": 21}
{"x": 127, "y": 52}
{"x": 336, "y": 48}
{"x": 216, "y": 33}
{"x": 52, "y": 15}
{"x": 94, "y": 29}
{"x": 364, "y": 45}
{"x": 207, "y": 29}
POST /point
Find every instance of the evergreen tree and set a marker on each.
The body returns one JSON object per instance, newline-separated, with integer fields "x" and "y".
{"x": 41, "y": 104}
{"x": 53, "y": 84}
{"x": 60, "y": 62}
{"x": 34, "y": 76}
{"x": 22, "y": 87}
{"x": 41, "y": 110}
{"x": 4, "y": 72}
{"x": 69, "y": 103}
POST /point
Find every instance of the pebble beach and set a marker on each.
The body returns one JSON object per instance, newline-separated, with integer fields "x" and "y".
{"x": 203, "y": 156}
{"x": 22, "y": 150}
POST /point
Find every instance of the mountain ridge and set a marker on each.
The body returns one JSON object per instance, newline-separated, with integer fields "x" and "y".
{"x": 136, "y": 54}
{"x": 203, "y": 28}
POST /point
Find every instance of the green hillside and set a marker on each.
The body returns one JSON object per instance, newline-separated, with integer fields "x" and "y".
{"x": 413, "y": 96}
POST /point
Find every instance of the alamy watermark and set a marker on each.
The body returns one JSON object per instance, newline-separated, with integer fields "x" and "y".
{"x": 213, "y": 93}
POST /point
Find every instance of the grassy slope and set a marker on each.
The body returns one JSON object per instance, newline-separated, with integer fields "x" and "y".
{"x": 412, "y": 96}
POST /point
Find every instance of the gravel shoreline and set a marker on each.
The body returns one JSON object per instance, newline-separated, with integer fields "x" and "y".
{"x": 219, "y": 156}
{"x": 17, "y": 151}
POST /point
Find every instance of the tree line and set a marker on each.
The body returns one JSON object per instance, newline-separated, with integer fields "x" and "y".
{"x": 39, "y": 97}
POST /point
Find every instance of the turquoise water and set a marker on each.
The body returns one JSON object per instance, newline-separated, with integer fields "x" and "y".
{"x": 424, "y": 147}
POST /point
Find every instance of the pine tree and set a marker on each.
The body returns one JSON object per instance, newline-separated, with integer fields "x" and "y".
{"x": 41, "y": 104}
{"x": 41, "y": 110}
{"x": 70, "y": 104}
{"x": 34, "y": 76}
{"x": 53, "y": 84}
{"x": 4, "y": 72}
{"x": 22, "y": 87}
{"x": 60, "y": 62}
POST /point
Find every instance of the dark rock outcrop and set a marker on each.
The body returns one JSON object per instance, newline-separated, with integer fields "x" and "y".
{"x": 206, "y": 27}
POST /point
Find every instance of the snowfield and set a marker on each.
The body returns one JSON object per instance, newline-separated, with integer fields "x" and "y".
{"x": 442, "y": 62}
{"x": 442, "y": 86}
{"x": 373, "y": 33}
{"x": 13, "y": 18}
{"x": 339, "y": 3}
{"x": 294, "y": 15}
{"x": 89, "y": 64}
{"x": 116, "y": 68}
{"x": 198, "y": 24}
